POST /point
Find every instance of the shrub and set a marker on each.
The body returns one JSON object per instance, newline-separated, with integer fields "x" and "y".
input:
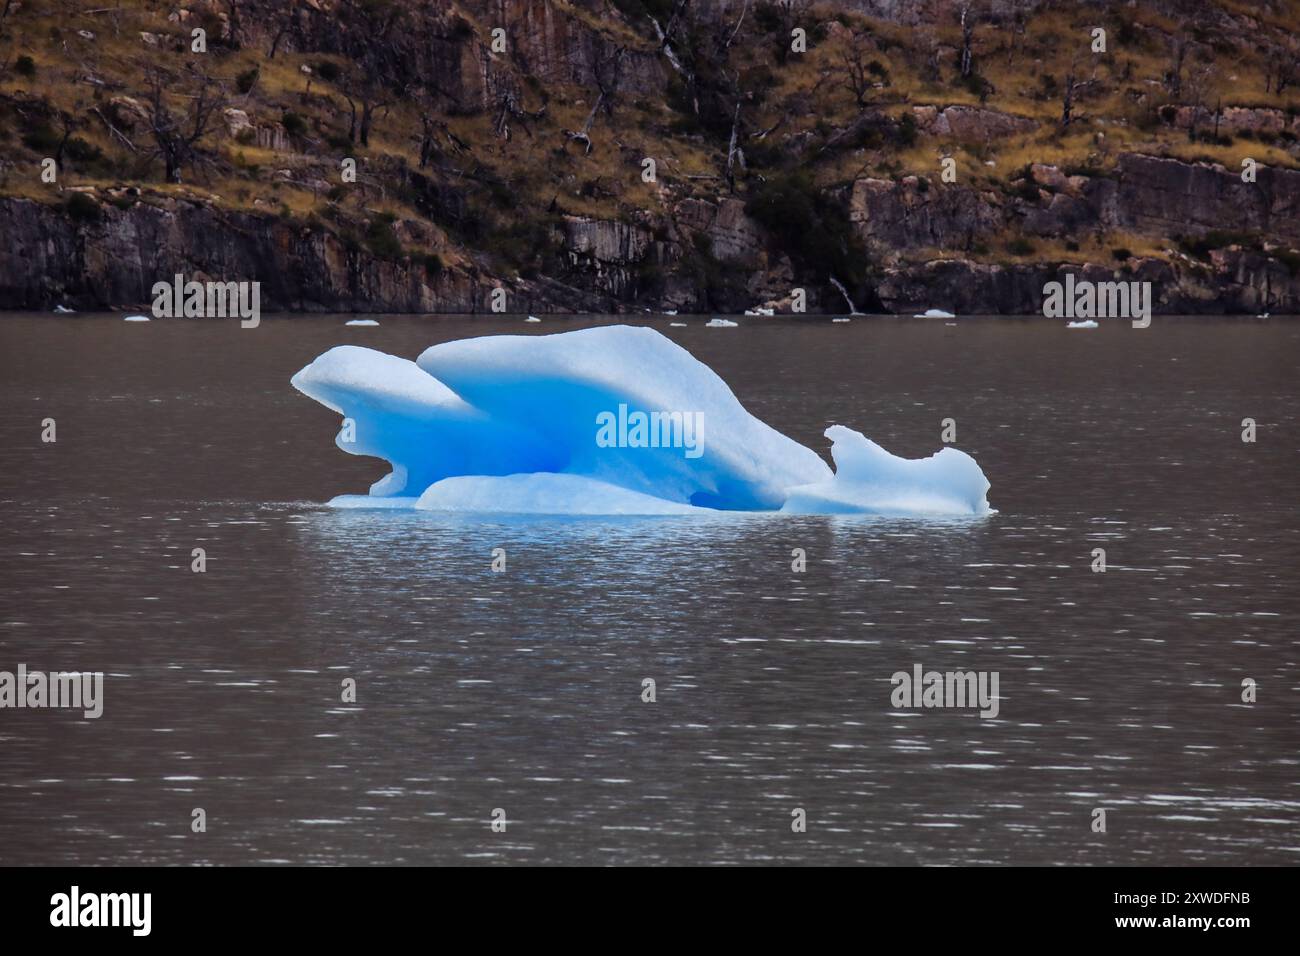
{"x": 905, "y": 131}
{"x": 294, "y": 124}
{"x": 78, "y": 150}
{"x": 25, "y": 66}
{"x": 1201, "y": 246}
{"x": 81, "y": 208}
{"x": 380, "y": 238}
{"x": 1120, "y": 254}
{"x": 811, "y": 227}
{"x": 244, "y": 82}
{"x": 327, "y": 71}
{"x": 1020, "y": 246}
{"x": 42, "y": 138}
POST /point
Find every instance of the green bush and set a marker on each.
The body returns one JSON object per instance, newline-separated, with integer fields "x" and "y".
{"x": 1020, "y": 246}
{"x": 25, "y": 66}
{"x": 293, "y": 124}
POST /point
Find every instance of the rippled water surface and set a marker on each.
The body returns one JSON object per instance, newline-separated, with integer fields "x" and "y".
{"x": 523, "y": 690}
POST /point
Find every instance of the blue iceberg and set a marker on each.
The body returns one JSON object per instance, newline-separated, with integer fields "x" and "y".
{"x": 616, "y": 420}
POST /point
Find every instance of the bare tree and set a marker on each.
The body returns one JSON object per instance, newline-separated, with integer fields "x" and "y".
{"x": 1199, "y": 88}
{"x": 929, "y": 43}
{"x": 508, "y": 109}
{"x": 70, "y": 124}
{"x": 1016, "y": 27}
{"x": 1281, "y": 66}
{"x": 283, "y": 24}
{"x": 4, "y": 14}
{"x": 607, "y": 73}
{"x": 176, "y": 138}
{"x": 857, "y": 69}
{"x": 1068, "y": 90}
{"x": 1177, "y": 56}
{"x": 735, "y": 155}
{"x": 360, "y": 92}
{"x": 967, "y": 32}
{"x": 736, "y": 29}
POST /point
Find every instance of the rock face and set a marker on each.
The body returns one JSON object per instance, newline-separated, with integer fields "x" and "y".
{"x": 113, "y": 258}
{"x": 970, "y": 123}
{"x": 1168, "y": 197}
{"x": 913, "y": 213}
{"x": 733, "y": 236}
{"x": 438, "y": 48}
{"x": 116, "y": 260}
{"x": 1237, "y": 119}
{"x": 1241, "y": 282}
{"x": 605, "y": 253}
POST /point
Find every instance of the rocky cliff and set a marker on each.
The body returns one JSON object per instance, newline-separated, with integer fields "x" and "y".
{"x": 616, "y": 156}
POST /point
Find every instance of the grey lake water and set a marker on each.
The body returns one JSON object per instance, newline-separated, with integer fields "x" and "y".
{"x": 522, "y": 691}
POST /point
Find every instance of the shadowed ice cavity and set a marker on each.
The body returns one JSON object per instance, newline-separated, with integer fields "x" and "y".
{"x": 548, "y": 425}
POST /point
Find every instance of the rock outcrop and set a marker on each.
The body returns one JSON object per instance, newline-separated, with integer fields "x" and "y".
{"x": 1170, "y": 197}
{"x": 894, "y": 216}
{"x": 115, "y": 260}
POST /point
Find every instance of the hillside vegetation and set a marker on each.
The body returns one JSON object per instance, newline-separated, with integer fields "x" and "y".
{"x": 781, "y": 134}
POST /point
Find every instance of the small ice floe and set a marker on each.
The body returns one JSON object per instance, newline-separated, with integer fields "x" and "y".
{"x": 1262, "y": 315}
{"x": 532, "y": 318}
{"x": 951, "y": 325}
{"x": 840, "y": 319}
{"x": 760, "y": 311}
{"x": 1085, "y": 324}
{"x": 720, "y": 323}
{"x": 934, "y": 314}
{"x": 677, "y": 325}
{"x": 670, "y": 311}
{"x": 63, "y": 309}
{"x": 136, "y": 318}
{"x": 360, "y": 322}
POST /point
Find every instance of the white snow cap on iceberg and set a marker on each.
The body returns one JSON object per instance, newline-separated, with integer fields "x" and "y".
{"x": 517, "y": 424}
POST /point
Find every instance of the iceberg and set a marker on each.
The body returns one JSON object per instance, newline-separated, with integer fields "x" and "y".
{"x": 869, "y": 480}
{"x": 614, "y": 420}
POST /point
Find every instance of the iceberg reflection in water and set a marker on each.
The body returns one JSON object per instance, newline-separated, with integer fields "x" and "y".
{"x": 615, "y": 420}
